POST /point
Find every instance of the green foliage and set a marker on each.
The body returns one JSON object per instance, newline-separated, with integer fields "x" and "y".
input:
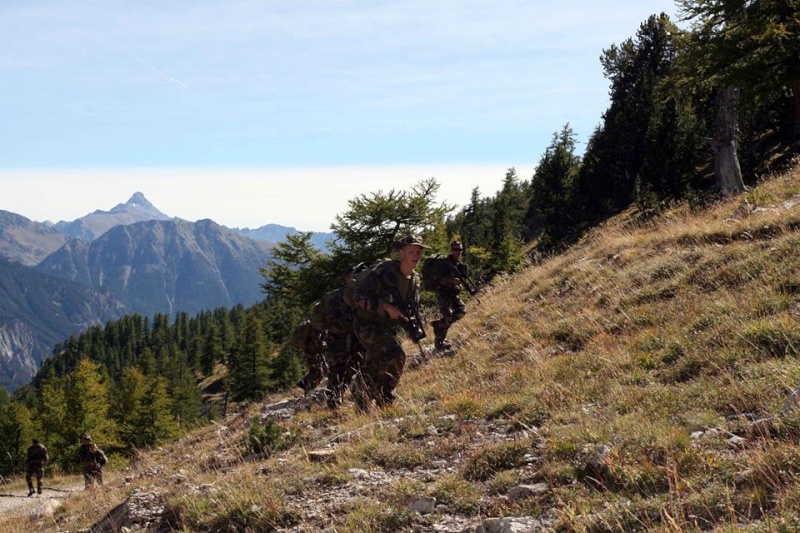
{"x": 295, "y": 273}
{"x": 16, "y": 433}
{"x": 493, "y": 230}
{"x": 250, "y": 370}
{"x": 266, "y": 437}
{"x": 375, "y": 221}
{"x": 552, "y": 189}
{"x": 88, "y": 404}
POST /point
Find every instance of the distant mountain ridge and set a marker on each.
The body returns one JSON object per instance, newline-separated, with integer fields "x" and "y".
{"x": 276, "y": 233}
{"x": 164, "y": 266}
{"x": 96, "y": 223}
{"x": 25, "y": 241}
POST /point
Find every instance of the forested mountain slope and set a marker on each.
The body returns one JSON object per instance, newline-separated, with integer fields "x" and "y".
{"x": 636, "y": 382}
{"x": 37, "y": 311}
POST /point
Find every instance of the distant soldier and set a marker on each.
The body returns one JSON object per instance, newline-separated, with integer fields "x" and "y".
{"x": 93, "y": 462}
{"x": 385, "y": 300}
{"x": 34, "y": 465}
{"x": 334, "y": 317}
{"x": 448, "y": 286}
{"x": 83, "y": 449}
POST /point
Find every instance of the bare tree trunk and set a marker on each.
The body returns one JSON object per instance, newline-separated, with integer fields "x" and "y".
{"x": 726, "y": 161}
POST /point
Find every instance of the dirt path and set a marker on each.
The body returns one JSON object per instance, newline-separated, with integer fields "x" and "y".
{"x": 18, "y": 500}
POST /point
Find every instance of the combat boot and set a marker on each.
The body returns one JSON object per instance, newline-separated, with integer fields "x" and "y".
{"x": 31, "y": 492}
{"x": 442, "y": 344}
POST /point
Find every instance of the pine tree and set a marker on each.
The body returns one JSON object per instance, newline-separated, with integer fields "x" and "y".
{"x": 88, "y": 404}
{"x": 552, "y": 188}
{"x": 186, "y": 397}
{"x": 16, "y": 433}
{"x": 153, "y": 418}
{"x": 127, "y": 401}
{"x": 250, "y": 372}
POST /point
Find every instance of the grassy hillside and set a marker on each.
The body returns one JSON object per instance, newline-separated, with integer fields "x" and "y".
{"x": 636, "y": 382}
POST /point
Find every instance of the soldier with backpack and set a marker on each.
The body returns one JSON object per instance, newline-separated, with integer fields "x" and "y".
{"x": 449, "y": 276}
{"x": 384, "y": 300}
{"x": 334, "y": 316}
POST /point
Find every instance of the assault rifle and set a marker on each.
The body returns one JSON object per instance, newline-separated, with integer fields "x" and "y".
{"x": 464, "y": 277}
{"x": 413, "y": 323}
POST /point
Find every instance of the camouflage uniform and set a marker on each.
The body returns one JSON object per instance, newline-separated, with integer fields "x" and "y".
{"x": 309, "y": 340}
{"x": 93, "y": 462}
{"x": 34, "y": 465}
{"x": 450, "y": 304}
{"x": 384, "y": 357}
{"x": 342, "y": 354}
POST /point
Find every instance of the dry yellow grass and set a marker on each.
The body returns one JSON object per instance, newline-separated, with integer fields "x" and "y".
{"x": 660, "y": 340}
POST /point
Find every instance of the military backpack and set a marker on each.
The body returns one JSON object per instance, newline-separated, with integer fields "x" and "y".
{"x": 304, "y": 338}
{"x": 433, "y": 268}
{"x": 360, "y": 271}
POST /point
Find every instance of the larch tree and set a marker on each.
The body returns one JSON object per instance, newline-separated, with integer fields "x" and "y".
{"x": 746, "y": 51}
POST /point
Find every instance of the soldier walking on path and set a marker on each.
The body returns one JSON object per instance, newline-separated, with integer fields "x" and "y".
{"x": 448, "y": 286}
{"x": 385, "y": 300}
{"x": 34, "y": 465}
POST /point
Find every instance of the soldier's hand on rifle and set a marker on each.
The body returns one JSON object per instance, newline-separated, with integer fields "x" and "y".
{"x": 393, "y": 312}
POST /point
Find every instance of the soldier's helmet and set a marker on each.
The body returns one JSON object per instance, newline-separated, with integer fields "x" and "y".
{"x": 86, "y": 436}
{"x": 36, "y": 441}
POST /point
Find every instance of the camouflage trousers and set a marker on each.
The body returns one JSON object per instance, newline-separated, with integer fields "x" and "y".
{"x": 451, "y": 308}
{"x": 383, "y": 363}
{"x": 343, "y": 357}
{"x": 92, "y": 476}
{"x": 315, "y": 363}
{"x": 37, "y": 471}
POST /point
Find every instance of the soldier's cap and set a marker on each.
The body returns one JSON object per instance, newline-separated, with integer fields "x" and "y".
{"x": 412, "y": 240}
{"x": 86, "y": 436}
{"x": 456, "y": 245}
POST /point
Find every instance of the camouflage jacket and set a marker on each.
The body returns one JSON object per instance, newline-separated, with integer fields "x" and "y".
{"x": 95, "y": 460}
{"x": 37, "y": 455}
{"x": 385, "y": 284}
{"x": 450, "y": 270}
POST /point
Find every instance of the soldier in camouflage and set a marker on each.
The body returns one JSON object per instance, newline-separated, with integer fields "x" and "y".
{"x": 34, "y": 465}
{"x": 334, "y": 316}
{"x": 311, "y": 342}
{"x": 448, "y": 287}
{"x": 380, "y": 298}
{"x": 93, "y": 462}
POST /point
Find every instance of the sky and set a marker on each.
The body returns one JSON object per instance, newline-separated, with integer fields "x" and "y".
{"x": 255, "y": 112}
